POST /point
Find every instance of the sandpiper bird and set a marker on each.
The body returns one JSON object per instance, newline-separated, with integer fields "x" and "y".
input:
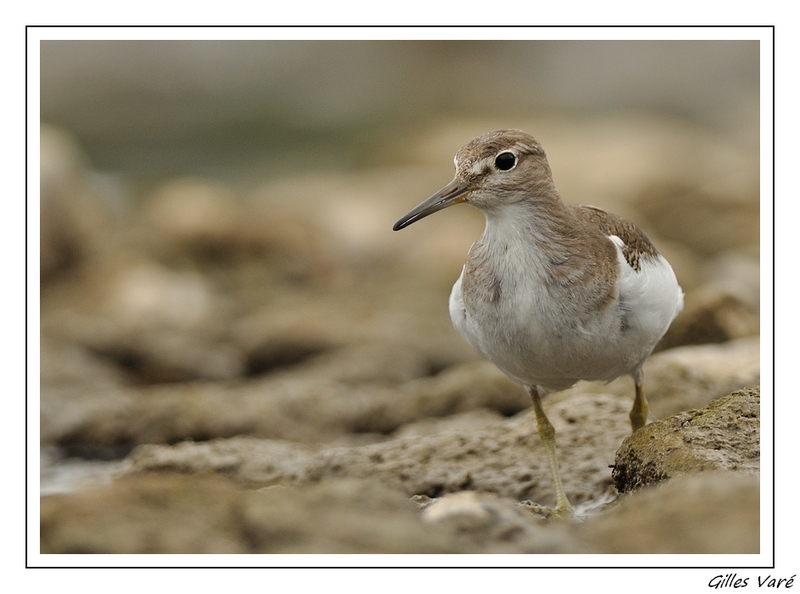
{"x": 552, "y": 293}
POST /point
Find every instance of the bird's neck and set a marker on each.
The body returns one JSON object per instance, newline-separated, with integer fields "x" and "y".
{"x": 543, "y": 222}
{"x": 542, "y": 243}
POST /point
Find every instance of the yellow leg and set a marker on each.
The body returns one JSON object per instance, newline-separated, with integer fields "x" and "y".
{"x": 548, "y": 437}
{"x": 638, "y": 414}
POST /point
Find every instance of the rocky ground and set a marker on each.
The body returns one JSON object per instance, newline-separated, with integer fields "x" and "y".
{"x": 272, "y": 369}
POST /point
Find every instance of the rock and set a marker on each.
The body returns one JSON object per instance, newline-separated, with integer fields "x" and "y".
{"x": 723, "y": 218}
{"x": 505, "y": 457}
{"x": 253, "y": 462}
{"x": 690, "y": 377}
{"x": 147, "y": 295}
{"x": 312, "y": 402}
{"x": 687, "y": 377}
{"x": 736, "y": 273}
{"x": 143, "y": 515}
{"x": 174, "y": 513}
{"x": 498, "y": 525}
{"x": 59, "y": 473}
{"x": 153, "y": 323}
{"x": 195, "y": 215}
{"x": 722, "y": 436}
{"x": 76, "y": 222}
{"x": 139, "y": 353}
{"x": 708, "y": 513}
{"x": 221, "y": 230}
{"x": 346, "y": 395}
{"x": 274, "y": 370}
{"x": 341, "y": 516}
{"x": 471, "y": 420}
{"x": 711, "y": 315}
{"x": 313, "y": 487}
{"x": 67, "y": 364}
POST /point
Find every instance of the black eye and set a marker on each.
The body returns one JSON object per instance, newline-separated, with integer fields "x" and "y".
{"x": 505, "y": 161}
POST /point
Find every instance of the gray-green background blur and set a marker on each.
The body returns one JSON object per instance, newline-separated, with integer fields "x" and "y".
{"x": 161, "y": 107}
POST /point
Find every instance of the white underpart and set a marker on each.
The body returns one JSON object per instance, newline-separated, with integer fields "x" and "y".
{"x": 651, "y": 294}
{"x": 540, "y": 338}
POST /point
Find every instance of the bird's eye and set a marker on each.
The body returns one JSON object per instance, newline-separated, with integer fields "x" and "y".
{"x": 505, "y": 161}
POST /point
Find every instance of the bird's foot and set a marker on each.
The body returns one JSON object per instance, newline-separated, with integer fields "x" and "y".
{"x": 550, "y": 513}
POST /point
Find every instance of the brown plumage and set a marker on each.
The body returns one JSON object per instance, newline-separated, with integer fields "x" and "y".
{"x": 552, "y": 293}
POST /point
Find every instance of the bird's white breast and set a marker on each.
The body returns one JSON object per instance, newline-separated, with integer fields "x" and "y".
{"x": 544, "y": 335}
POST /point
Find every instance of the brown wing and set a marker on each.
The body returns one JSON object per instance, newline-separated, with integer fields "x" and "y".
{"x": 636, "y": 242}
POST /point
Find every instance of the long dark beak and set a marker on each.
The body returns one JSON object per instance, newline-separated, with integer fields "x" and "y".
{"x": 453, "y": 193}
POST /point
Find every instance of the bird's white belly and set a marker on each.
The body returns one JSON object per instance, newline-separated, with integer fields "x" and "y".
{"x": 538, "y": 338}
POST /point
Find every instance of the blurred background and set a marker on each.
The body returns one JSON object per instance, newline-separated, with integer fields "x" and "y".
{"x": 165, "y": 107}
{"x": 217, "y": 214}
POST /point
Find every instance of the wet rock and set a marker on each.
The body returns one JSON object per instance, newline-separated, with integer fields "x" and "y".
{"x": 722, "y": 436}
{"x": 708, "y": 513}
